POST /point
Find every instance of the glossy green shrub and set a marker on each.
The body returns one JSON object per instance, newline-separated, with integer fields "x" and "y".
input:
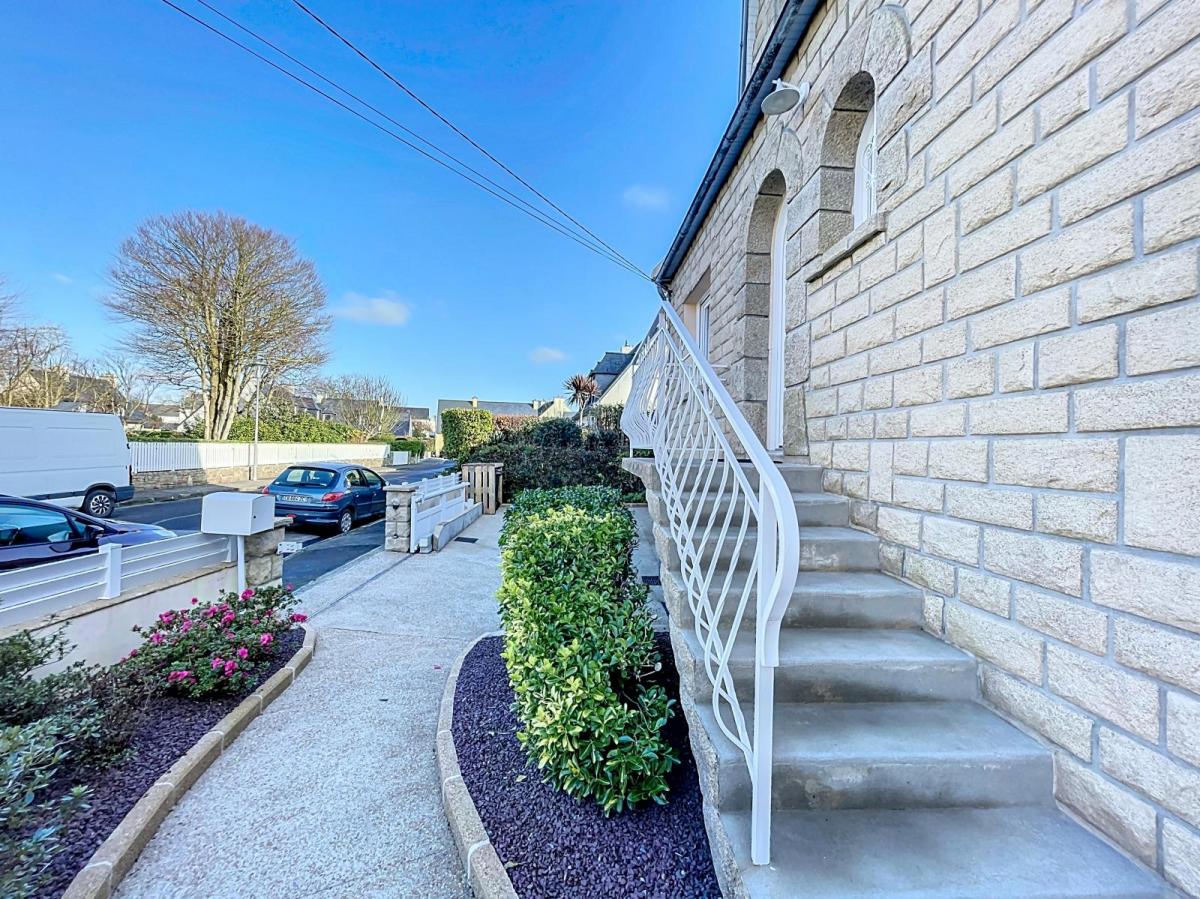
{"x": 413, "y": 445}
{"x": 537, "y": 502}
{"x": 465, "y": 429}
{"x": 579, "y": 647}
{"x": 561, "y": 432}
{"x": 528, "y": 466}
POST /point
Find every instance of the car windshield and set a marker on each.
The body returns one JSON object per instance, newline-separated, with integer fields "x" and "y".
{"x": 302, "y": 476}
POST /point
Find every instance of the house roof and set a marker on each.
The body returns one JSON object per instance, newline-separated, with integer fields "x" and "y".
{"x": 790, "y": 28}
{"x": 611, "y": 363}
{"x": 496, "y": 408}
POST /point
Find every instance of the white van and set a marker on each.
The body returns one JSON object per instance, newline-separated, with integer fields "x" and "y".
{"x": 74, "y": 459}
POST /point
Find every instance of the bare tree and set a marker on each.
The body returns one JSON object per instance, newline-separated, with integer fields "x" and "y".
{"x": 35, "y": 360}
{"x": 369, "y": 403}
{"x": 211, "y": 296}
{"x": 119, "y": 383}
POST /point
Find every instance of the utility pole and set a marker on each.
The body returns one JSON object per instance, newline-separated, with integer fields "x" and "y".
{"x": 258, "y": 366}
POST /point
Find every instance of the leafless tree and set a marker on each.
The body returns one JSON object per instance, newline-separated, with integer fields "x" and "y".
{"x": 370, "y": 403}
{"x": 212, "y": 295}
{"x": 35, "y": 360}
{"x": 119, "y": 383}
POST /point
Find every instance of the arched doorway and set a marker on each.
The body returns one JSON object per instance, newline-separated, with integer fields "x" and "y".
{"x": 776, "y": 329}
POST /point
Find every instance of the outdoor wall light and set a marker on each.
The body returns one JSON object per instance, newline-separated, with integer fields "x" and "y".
{"x": 785, "y": 97}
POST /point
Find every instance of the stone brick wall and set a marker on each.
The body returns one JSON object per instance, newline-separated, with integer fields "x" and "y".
{"x": 1002, "y": 368}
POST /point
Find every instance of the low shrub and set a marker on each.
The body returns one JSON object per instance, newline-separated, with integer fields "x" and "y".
{"x": 100, "y": 706}
{"x": 527, "y": 466}
{"x": 214, "y": 647}
{"x": 508, "y": 426}
{"x": 465, "y": 429}
{"x": 413, "y": 445}
{"x": 579, "y": 648}
{"x": 536, "y": 502}
{"x": 31, "y": 823}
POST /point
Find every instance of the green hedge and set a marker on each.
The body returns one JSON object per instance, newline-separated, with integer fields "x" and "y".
{"x": 414, "y": 445}
{"x": 537, "y": 502}
{"x": 463, "y": 430}
{"x": 292, "y": 428}
{"x": 528, "y": 466}
{"x": 579, "y": 647}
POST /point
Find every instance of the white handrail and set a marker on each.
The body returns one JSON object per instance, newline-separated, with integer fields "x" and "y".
{"x": 720, "y": 525}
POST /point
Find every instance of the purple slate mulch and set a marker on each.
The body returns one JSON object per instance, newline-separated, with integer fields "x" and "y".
{"x": 168, "y": 728}
{"x": 554, "y": 845}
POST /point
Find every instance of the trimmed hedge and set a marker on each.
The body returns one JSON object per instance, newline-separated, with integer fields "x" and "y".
{"x": 528, "y": 466}
{"x": 579, "y": 648}
{"x": 413, "y": 445}
{"x": 465, "y": 429}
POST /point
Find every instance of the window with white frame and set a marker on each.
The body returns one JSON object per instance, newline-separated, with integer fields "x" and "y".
{"x": 864, "y": 172}
{"x": 702, "y": 327}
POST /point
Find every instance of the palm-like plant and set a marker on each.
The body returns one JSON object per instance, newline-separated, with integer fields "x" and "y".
{"x": 581, "y": 390}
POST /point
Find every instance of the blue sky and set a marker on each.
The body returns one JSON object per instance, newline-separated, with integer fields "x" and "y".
{"x": 120, "y": 110}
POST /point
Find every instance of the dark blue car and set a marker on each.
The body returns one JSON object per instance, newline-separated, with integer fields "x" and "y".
{"x": 328, "y": 494}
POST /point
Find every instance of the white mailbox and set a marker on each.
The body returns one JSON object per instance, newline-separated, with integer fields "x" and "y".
{"x": 239, "y": 514}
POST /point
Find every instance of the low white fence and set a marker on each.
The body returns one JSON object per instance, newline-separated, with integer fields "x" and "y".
{"x": 40, "y": 590}
{"x": 166, "y": 456}
{"x": 434, "y": 501}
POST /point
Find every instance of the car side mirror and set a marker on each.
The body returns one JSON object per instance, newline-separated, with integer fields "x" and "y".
{"x": 93, "y": 532}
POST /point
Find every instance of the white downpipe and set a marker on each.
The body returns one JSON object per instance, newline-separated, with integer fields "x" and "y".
{"x": 679, "y": 408}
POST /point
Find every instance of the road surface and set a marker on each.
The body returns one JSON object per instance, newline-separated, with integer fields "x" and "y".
{"x": 321, "y": 553}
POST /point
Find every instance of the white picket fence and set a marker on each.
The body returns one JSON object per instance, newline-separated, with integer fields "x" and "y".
{"x": 435, "y": 500}
{"x": 180, "y": 456}
{"x": 29, "y": 593}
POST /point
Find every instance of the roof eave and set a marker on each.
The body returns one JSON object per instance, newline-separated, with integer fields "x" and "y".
{"x": 789, "y": 31}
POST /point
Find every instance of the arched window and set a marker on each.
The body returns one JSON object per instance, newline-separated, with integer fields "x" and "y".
{"x": 864, "y": 171}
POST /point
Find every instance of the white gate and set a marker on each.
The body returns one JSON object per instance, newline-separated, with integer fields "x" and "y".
{"x": 434, "y": 501}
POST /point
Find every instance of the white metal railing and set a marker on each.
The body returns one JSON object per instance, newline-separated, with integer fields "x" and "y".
{"x": 169, "y": 456}
{"x": 738, "y": 542}
{"x": 435, "y": 500}
{"x": 40, "y": 590}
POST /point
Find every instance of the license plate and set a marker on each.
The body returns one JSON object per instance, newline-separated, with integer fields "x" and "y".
{"x": 296, "y": 499}
{"x": 287, "y": 547}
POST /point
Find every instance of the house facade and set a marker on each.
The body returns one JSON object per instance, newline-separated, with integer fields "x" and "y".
{"x": 961, "y": 276}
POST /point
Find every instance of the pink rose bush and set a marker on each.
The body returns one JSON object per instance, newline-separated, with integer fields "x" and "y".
{"x": 215, "y": 647}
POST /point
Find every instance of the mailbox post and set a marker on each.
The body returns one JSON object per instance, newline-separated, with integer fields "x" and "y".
{"x": 238, "y": 515}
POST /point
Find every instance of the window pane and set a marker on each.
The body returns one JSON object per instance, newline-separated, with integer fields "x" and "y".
{"x": 26, "y": 525}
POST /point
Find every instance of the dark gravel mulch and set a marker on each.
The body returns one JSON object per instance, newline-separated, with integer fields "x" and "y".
{"x": 168, "y": 728}
{"x": 554, "y": 845}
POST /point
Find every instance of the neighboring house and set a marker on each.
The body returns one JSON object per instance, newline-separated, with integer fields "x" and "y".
{"x": 553, "y": 408}
{"x": 961, "y": 277}
{"x": 613, "y": 375}
{"x": 412, "y": 419}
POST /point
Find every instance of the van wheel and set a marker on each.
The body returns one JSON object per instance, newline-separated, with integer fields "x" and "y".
{"x": 345, "y": 522}
{"x": 99, "y": 503}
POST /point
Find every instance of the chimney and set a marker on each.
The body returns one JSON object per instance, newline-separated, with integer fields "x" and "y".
{"x": 474, "y": 402}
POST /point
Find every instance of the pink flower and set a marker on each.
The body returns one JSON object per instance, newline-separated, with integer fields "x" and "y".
{"x": 187, "y": 626}
{"x": 209, "y": 612}
{"x": 247, "y": 593}
{"x": 265, "y": 639}
{"x": 299, "y": 617}
{"x": 132, "y": 653}
{"x": 287, "y": 587}
{"x": 156, "y": 638}
{"x": 227, "y": 619}
{"x": 194, "y": 600}
{"x": 178, "y": 676}
{"x": 166, "y": 617}
{"x": 242, "y": 652}
{"x": 218, "y": 662}
{"x": 230, "y": 667}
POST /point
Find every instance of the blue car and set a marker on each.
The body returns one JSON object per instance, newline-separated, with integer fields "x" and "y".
{"x": 328, "y": 494}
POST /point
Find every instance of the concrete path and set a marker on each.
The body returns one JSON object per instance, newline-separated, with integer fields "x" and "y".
{"x": 333, "y": 791}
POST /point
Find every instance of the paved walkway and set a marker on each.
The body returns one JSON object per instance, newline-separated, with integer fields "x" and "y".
{"x": 333, "y": 791}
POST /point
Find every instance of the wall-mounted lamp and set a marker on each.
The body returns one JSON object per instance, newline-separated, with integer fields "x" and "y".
{"x": 786, "y": 96}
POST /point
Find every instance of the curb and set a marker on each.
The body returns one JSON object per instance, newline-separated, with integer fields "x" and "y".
{"x": 486, "y": 875}
{"x": 116, "y": 855}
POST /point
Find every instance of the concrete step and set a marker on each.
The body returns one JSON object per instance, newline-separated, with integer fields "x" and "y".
{"x": 889, "y": 755}
{"x": 812, "y": 509}
{"x": 846, "y": 665}
{"x": 977, "y": 853}
{"x": 821, "y": 549}
{"x": 801, "y": 477}
{"x": 826, "y": 599}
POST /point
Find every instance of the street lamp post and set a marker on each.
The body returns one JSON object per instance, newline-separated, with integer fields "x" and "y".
{"x": 258, "y": 366}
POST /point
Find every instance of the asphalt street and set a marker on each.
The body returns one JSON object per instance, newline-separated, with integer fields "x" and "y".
{"x": 322, "y": 552}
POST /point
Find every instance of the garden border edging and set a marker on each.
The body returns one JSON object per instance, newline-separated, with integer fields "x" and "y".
{"x": 486, "y": 875}
{"x": 115, "y": 856}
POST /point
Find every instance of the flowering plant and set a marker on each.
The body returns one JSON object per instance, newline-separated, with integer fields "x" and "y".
{"x": 214, "y": 647}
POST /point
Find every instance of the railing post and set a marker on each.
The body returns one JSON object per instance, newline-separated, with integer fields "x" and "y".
{"x": 111, "y": 553}
{"x": 766, "y": 658}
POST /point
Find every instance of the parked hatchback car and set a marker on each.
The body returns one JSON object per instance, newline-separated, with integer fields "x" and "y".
{"x": 32, "y": 532}
{"x": 328, "y": 494}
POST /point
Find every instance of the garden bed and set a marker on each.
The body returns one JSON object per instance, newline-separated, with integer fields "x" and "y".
{"x": 167, "y": 729}
{"x": 553, "y": 845}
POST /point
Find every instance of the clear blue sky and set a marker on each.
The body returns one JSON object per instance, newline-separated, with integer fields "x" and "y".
{"x": 116, "y": 111}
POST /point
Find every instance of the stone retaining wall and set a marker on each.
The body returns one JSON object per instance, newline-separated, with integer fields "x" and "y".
{"x": 190, "y": 477}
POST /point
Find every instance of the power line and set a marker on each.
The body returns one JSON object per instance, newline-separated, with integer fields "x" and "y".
{"x": 536, "y": 215}
{"x": 390, "y": 77}
{"x": 379, "y": 112}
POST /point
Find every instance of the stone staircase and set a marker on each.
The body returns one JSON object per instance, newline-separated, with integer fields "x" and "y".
{"x": 891, "y": 778}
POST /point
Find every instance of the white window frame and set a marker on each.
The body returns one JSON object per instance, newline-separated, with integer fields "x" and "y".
{"x": 703, "y": 327}
{"x": 864, "y": 171}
